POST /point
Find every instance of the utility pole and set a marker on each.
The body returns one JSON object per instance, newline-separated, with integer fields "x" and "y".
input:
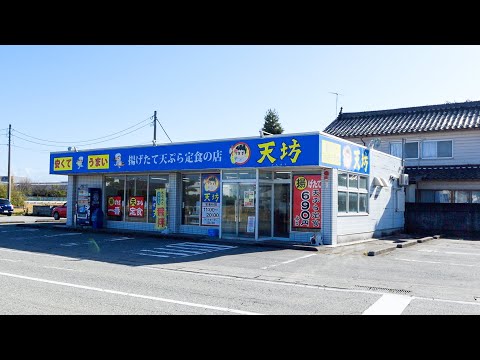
{"x": 155, "y": 128}
{"x": 9, "y": 187}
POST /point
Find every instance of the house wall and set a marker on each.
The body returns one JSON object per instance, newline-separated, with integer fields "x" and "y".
{"x": 386, "y": 210}
{"x": 464, "y": 148}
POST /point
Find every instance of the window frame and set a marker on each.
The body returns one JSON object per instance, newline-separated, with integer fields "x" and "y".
{"x": 436, "y": 154}
{"x": 353, "y": 190}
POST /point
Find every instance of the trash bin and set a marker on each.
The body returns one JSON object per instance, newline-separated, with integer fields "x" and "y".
{"x": 97, "y": 219}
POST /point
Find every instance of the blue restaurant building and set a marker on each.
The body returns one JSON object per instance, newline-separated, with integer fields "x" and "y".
{"x": 305, "y": 188}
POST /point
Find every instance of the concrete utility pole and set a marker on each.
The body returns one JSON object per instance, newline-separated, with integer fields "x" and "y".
{"x": 155, "y": 127}
{"x": 9, "y": 187}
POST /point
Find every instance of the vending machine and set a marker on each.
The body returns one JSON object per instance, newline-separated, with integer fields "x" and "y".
{"x": 88, "y": 200}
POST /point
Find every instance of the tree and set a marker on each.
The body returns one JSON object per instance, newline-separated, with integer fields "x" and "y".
{"x": 272, "y": 122}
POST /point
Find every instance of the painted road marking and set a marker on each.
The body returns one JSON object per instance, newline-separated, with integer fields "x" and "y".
{"x": 306, "y": 286}
{"x": 450, "y": 252}
{"x": 389, "y": 304}
{"x": 154, "y": 298}
{"x": 39, "y": 254}
{"x": 70, "y": 244}
{"x": 64, "y": 234}
{"x": 121, "y": 239}
{"x": 289, "y": 261}
{"x": 438, "y": 262}
{"x": 10, "y": 260}
{"x": 185, "y": 249}
{"x": 59, "y": 268}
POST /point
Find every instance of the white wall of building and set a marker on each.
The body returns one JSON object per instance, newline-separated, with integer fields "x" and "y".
{"x": 385, "y": 215}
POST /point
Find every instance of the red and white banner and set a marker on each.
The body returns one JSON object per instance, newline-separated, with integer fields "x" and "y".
{"x": 114, "y": 205}
{"x": 307, "y": 202}
{"x": 136, "y": 206}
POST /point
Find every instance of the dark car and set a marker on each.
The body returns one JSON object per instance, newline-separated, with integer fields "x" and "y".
{"x": 59, "y": 211}
{"x": 6, "y": 207}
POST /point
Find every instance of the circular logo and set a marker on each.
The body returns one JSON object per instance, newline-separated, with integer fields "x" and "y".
{"x": 300, "y": 183}
{"x": 239, "y": 153}
{"x": 133, "y": 202}
{"x": 347, "y": 156}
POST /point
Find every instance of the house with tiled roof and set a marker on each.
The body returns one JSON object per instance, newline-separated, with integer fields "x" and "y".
{"x": 440, "y": 145}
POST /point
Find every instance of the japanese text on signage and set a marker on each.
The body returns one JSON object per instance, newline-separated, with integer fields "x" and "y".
{"x": 307, "y": 201}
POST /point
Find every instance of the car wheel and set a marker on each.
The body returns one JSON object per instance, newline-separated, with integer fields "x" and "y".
{"x": 56, "y": 216}
{"x": 9, "y": 214}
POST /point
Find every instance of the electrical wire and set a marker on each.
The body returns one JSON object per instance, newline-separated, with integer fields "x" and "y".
{"x": 165, "y": 131}
{"x": 93, "y": 143}
{"x": 83, "y": 141}
{"x": 24, "y": 148}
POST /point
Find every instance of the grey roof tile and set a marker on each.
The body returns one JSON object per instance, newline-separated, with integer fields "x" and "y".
{"x": 451, "y": 116}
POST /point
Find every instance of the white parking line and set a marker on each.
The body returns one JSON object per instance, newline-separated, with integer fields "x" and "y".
{"x": 389, "y": 304}
{"x": 450, "y": 252}
{"x": 70, "y": 244}
{"x": 10, "y": 260}
{"x": 287, "y": 262}
{"x": 114, "y": 292}
{"x": 437, "y": 262}
{"x": 64, "y": 234}
{"x": 121, "y": 239}
{"x": 59, "y": 268}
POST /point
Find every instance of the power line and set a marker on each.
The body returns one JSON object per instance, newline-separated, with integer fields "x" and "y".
{"x": 83, "y": 141}
{"x": 93, "y": 143}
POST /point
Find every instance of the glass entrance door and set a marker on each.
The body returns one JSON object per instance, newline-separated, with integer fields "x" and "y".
{"x": 281, "y": 210}
{"x": 238, "y": 210}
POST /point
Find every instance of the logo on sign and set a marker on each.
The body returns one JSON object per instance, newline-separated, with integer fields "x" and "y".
{"x": 239, "y": 153}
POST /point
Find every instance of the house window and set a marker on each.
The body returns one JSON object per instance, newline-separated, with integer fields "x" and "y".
{"x": 352, "y": 193}
{"x": 461, "y": 196}
{"x": 411, "y": 150}
{"x": 437, "y": 149}
{"x": 396, "y": 149}
{"x": 476, "y": 197}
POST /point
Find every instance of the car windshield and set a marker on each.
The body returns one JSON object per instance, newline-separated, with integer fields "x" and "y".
{"x": 4, "y": 202}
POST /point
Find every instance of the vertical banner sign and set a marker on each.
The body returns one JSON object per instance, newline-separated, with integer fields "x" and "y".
{"x": 307, "y": 202}
{"x": 210, "y": 199}
{"x": 114, "y": 204}
{"x": 161, "y": 209}
{"x": 136, "y": 206}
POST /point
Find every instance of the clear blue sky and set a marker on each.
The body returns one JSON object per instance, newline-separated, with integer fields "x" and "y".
{"x": 76, "y": 93}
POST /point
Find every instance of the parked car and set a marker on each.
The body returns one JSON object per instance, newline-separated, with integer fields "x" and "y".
{"x": 59, "y": 211}
{"x": 6, "y": 207}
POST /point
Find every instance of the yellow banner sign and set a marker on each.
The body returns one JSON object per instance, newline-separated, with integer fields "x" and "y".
{"x": 62, "y": 163}
{"x": 330, "y": 152}
{"x": 98, "y": 162}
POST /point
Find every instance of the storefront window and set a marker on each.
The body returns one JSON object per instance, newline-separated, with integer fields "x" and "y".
{"x": 353, "y": 193}
{"x": 156, "y": 182}
{"x": 115, "y": 197}
{"x": 352, "y": 202}
{"x": 342, "y": 201}
{"x": 191, "y": 192}
{"x": 136, "y": 199}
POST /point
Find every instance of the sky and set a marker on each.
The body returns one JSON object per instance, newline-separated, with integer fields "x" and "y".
{"x": 102, "y": 96}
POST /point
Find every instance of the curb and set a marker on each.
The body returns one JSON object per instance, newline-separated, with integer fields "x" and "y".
{"x": 406, "y": 244}
{"x": 428, "y": 238}
{"x": 381, "y": 251}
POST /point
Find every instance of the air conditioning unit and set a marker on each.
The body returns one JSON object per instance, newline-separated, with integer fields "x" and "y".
{"x": 403, "y": 180}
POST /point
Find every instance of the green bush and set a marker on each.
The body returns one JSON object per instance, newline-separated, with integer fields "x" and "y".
{"x": 17, "y": 197}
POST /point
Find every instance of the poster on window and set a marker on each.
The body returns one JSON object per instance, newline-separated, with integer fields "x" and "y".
{"x": 249, "y": 198}
{"x": 210, "y": 199}
{"x": 114, "y": 205}
{"x": 307, "y": 203}
{"x": 160, "y": 209}
{"x": 136, "y": 206}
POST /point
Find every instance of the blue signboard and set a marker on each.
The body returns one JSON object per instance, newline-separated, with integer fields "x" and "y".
{"x": 299, "y": 150}
{"x": 271, "y": 151}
